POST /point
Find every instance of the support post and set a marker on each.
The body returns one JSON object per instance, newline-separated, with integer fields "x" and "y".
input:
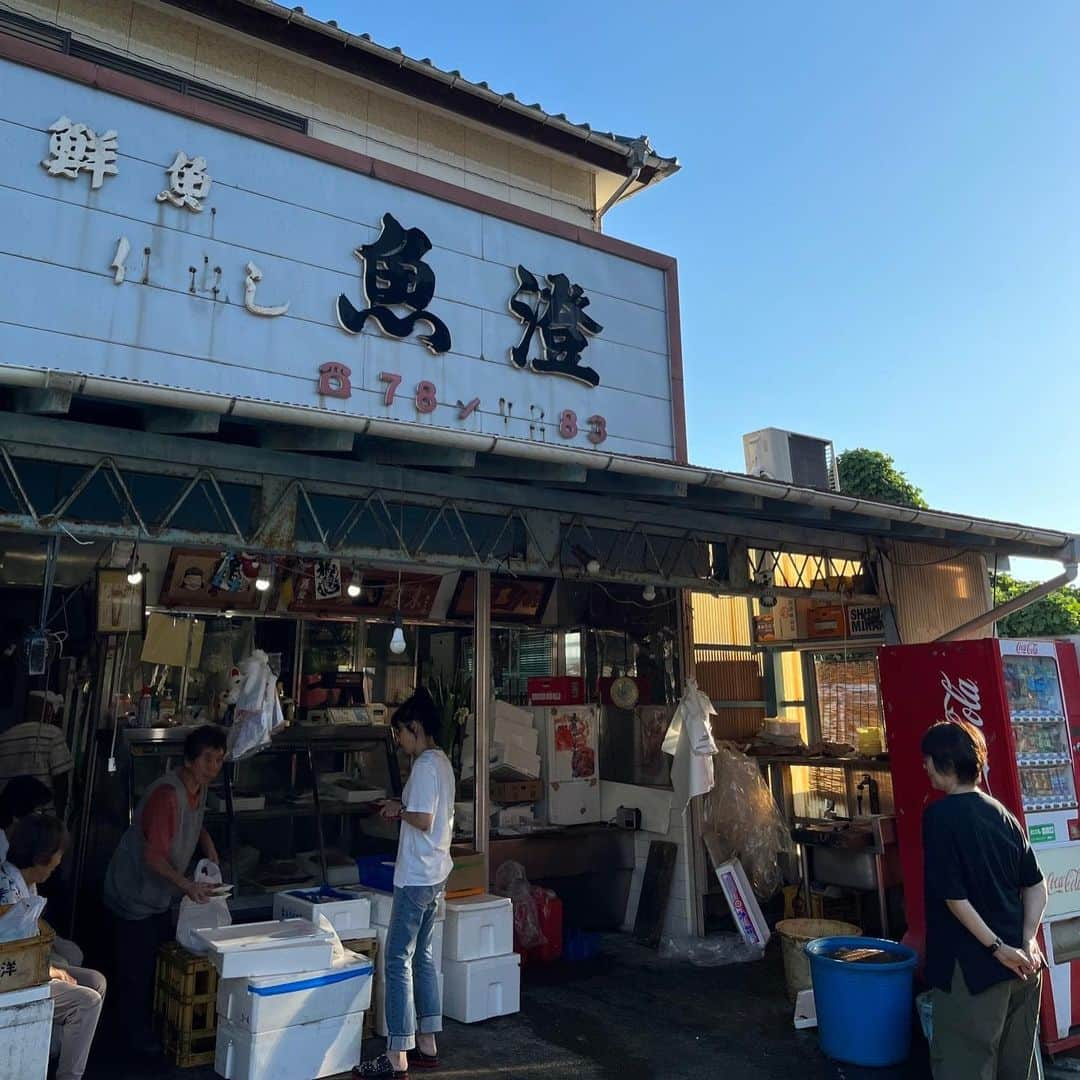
{"x": 482, "y": 708}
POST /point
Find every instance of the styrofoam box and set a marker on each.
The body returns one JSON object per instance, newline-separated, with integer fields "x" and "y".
{"x": 525, "y": 738}
{"x": 347, "y": 915}
{"x": 299, "y": 1052}
{"x": 26, "y": 1018}
{"x": 481, "y": 989}
{"x": 268, "y": 948}
{"x": 744, "y": 906}
{"x": 258, "y": 1005}
{"x": 504, "y": 712}
{"x": 477, "y": 927}
{"x": 379, "y": 994}
{"x": 382, "y": 903}
{"x": 513, "y": 757}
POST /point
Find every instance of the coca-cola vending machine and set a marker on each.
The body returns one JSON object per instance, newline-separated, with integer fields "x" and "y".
{"x": 1025, "y": 697}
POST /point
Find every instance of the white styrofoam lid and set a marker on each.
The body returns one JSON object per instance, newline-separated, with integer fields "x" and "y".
{"x": 284, "y": 934}
{"x": 24, "y": 996}
{"x": 478, "y": 903}
{"x": 354, "y": 963}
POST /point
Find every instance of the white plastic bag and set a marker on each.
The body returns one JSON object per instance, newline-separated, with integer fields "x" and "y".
{"x": 21, "y": 921}
{"x": 208, "y": 916}
{"x": 258, "y": 710}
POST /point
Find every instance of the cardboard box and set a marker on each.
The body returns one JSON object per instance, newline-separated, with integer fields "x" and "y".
{"x": 556, "y": 690}
{"x": 469, "y": 873}
{"x": 517, "y": 791}
{"x": 826, "y": 621}
{"x": 743, "y": 904}
{"x": 778, "y": 623}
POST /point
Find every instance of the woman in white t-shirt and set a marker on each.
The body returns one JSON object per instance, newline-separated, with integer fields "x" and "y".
{"x": 426, "y": 813}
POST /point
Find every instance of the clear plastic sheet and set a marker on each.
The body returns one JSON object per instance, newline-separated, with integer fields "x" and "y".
{"x": 510, "y": 880}
{"x": 741, "y": 811}
{"x": 715, "y": 951}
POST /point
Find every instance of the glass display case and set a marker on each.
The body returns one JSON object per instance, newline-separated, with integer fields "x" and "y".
{"x": 1040, "y": 732}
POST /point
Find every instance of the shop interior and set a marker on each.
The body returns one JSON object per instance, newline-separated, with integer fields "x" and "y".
{"x": 146, "y": 641}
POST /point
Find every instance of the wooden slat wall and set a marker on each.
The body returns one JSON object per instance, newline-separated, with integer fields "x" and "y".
{"x": 932, "y": 594}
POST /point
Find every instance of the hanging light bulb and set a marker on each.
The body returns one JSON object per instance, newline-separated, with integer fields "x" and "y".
{"x": 262, "y": 582}
{"x": 648, "y": 593}
{"x": 134, "y": 570}
{"x": 397, "y": 638}
{"x": 354, "y": 584}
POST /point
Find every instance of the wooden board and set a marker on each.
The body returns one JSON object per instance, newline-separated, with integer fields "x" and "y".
{"x": 655, "y": 890}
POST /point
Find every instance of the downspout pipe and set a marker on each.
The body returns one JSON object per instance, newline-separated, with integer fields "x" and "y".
{"x": 638, "y": 150}
{"x": 1016, "y": 604}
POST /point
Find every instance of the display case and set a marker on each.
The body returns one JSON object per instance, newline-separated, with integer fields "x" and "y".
{"x": 303, "y": 795}
{"x": 1040, "y": 732}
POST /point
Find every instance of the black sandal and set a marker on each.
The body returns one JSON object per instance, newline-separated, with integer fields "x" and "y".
{"x": 421, "y": 1060}
{"x": 380, "y": 1066}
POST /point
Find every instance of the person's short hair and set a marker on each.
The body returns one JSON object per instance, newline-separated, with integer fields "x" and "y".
{"x": 420, "y": 709}
{"x": 36, "y": 839}
{"x": 957, "y": 747}
{"x": 207, "y": 737}
{"x": 22, "y": 796}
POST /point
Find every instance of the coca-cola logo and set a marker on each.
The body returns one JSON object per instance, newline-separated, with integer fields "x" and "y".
{"x": 1027, "y": 648}
{"x": 1068, "y": 882}
{"x": 962, "y": 700}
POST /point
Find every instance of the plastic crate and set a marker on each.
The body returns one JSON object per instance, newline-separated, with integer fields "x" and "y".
{"x": 580, "y": 945}
{"x": 376, "y": 872}
{"x": 369, "y": 947}
{"x": 185, "y": 1006}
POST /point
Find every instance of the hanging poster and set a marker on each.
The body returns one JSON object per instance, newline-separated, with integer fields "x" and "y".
{"x": 120, "y": 605}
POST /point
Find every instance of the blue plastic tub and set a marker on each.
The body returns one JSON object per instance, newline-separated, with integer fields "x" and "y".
{"x": 864, "y": 1011}
{"x": 376, "y": 872}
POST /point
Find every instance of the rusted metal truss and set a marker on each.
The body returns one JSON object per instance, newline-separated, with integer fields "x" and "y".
{"x": 112, "y": 497}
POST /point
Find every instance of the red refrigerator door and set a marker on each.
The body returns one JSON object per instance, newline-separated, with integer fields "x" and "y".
{"x": 920, "y": 685}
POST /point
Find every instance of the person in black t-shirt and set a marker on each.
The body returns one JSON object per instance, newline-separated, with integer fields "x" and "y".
{"x": 985, "y": 898}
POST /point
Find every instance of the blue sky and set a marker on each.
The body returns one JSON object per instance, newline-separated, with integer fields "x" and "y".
{"x": 877, "y": 221}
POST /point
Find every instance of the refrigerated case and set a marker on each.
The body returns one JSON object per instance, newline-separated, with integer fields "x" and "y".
{"x": 1025, "y": 698}
{"x": 570, "y": 738}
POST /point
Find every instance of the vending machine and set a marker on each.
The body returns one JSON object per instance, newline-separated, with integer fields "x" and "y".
{"x": 569, "y": 736}
{"x": 1025, "y": 698}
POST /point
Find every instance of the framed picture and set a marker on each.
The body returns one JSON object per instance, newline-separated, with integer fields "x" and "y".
{"x": 120, "y": 605}
{"x": 207, "y": 579}
{"x": 320, "y": 587}
{"x": 512, "y": 599}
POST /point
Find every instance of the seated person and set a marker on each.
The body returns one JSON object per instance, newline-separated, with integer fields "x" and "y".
{"x": 22, "y": 797}
{"x": 36, "y": 848}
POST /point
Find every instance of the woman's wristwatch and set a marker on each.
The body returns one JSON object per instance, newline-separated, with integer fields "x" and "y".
{"x": 993, "y": 947}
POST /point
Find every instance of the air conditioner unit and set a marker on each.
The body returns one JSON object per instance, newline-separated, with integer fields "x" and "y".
{"x": 795, "y": 459}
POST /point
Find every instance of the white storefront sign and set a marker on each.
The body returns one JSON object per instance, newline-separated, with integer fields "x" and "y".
{"x": 380, "y": 301}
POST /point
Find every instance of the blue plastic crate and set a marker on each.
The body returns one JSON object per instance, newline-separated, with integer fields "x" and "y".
{"x": 579, "y": 945}
{"x": 376, "y": 872}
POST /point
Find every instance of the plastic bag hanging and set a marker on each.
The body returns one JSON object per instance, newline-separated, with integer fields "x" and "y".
{"x": 690, "y": 742}
{"x": 257, "y": 714}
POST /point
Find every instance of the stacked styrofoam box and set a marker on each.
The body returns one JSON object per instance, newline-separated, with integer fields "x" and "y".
{"x": 482, "y": 971}
{"x": 349, "y": 912}
{"x": 303, "y": 1022}
{"x": 382, "y": 904}
{"x": 514, "y": 744}
{"x": 25, "y": 1029}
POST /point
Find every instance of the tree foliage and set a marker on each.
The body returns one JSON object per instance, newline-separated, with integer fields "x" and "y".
{"x": 1055, "y": 615}
{"x": 874, "y": 475}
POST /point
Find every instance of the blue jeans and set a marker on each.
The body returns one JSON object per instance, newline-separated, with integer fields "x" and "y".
{"x": 412, "y": 976}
